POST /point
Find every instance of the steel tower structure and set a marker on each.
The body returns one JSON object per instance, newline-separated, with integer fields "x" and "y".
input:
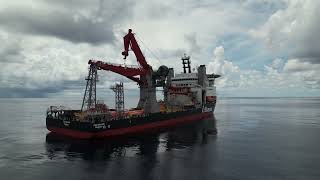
{"x": 89, "y": 98}
{"x": 186, "y": 64}
{"x": 119, "y": 97}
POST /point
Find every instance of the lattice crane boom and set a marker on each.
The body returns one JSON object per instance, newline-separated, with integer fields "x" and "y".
{"x": 129, "y": 72}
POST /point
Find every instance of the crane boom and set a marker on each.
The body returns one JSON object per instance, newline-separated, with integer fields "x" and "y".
{"x": 129, "y": 72}
{"x": 130, "y": 40}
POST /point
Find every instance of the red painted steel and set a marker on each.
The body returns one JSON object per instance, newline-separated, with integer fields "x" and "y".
{"x": 211, "y": 98}
{"x": 131, "y": 130}
{"x": 129, "y": 39}
{"x": 129, "y": 72}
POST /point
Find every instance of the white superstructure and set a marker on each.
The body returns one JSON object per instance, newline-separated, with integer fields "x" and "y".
{"x": 192, "y": 89}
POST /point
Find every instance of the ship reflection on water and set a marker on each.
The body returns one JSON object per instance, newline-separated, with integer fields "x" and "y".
{"x": 147, "y": 145}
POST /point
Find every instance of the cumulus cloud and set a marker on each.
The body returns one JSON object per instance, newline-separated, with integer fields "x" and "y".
{"x": 229, "y": 72}
{"x": 295, "y": 65}
{"x": 277, "y": 76}
{"x": 10, "y": 50}
{"x": 46, "y": 44}
{"x": 307, "y": 71}
{"x": 194, "y": 45}
{"x": 277, "y": 63}
{"x": 38, "y": 67}
{"x": 293, "y": 29}
{"x": 92, "y": 23}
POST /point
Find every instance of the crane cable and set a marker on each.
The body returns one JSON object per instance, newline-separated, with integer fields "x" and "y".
{"x": 156, "y": 58}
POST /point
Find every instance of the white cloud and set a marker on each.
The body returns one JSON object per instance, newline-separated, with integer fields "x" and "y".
{"x": 277, "y": 63}
{"x": 293, "y": 29}
{"x": 51, "y": 50}
{"x": 308, "y": 72}
{"x": 78, "y": 21}
{"x": 45, "y": 64}
{"x": 230, "y": 73}
{"x": 295, "y": 65}
{"x": 278, "y": 77}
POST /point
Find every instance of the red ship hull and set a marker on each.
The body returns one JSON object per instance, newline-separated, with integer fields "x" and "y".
{"x": 130, "y": 130}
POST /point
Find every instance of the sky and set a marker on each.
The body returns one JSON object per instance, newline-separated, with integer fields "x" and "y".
{"x": 261, "y": 48}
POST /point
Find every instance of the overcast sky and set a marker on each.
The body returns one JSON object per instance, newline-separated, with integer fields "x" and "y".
{"x": 260, "y": 47}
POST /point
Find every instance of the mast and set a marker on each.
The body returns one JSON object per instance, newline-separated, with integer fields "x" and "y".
{"x": 119, "y": 97}
{"x": 89, "y": 98}
{"x": 186, "y": 64}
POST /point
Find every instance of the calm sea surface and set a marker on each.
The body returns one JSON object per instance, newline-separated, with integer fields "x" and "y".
{"x": 258, "y": 138}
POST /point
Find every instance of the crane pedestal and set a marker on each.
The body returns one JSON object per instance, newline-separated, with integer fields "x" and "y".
{"x": 148, "y": 97}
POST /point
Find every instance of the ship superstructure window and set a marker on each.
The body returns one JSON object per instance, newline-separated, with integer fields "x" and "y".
{"x": 184, "y": 84}
{"x": 186, "y": 79}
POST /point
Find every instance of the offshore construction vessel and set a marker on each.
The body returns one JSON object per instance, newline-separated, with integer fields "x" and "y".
{"x": 188, "y": 96}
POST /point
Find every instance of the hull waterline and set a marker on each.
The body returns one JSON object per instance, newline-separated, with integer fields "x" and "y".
{"x": 145, "y": 127}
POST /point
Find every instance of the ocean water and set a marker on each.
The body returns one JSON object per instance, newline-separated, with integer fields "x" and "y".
{"x": 258, "y": 138}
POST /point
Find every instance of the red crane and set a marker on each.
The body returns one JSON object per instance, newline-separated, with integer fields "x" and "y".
{"x": 130, "y": 72}
{"x": 129, "y": 39}
{"x": 142, "y": 74}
